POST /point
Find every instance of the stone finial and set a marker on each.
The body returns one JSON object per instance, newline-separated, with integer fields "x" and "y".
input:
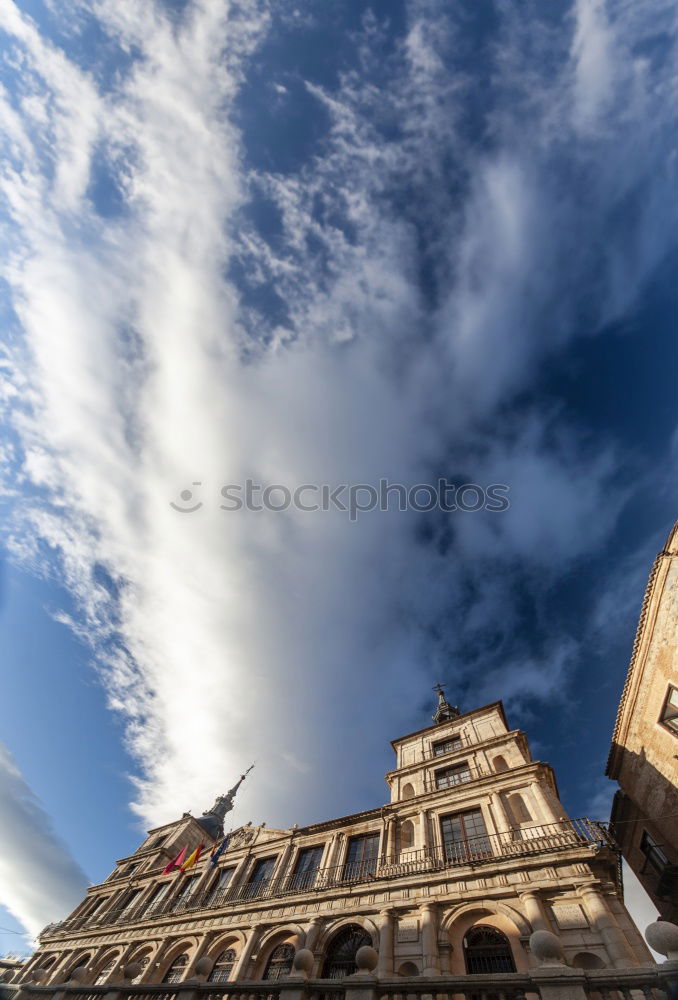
{"x": 132, "y": 970}
{"x": 79, "y": 975}
{"x": 662, "y": 936}
{"x": 546, "y": 947}
{"x": 203, "y": 966}
{"x": 366, "y": 959}
{"x": 303, "y": 963}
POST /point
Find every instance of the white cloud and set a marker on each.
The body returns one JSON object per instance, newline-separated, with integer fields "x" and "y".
{"x": 592, "y": 51}
{"x": 39, "y": 879}
{"x": 242, "y": 636}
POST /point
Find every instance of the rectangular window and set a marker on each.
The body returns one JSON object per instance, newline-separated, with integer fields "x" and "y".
{"x": 446, "y": 746}
{"x": 361, "y": 857}
{"x": 669, "y": 716}
{"x": 653, "y": 852}
{"x": 465, "y": 837}
{"x": 98, "y": 903}
{"x": 449, "y": 776}
{"x": 306, "y": 868}
{"x": 130, "y": 902}
{"x": 218, "y": 893}
{"x": 260, "y": 878}
{"x": 183, "y": 898}
{"x": 156, "y": 901}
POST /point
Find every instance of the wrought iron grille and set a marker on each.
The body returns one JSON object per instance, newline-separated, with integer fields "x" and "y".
{"x": 487, "y": 950}
{"x": 340, "y": 961}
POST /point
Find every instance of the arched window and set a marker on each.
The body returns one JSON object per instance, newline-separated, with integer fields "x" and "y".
{"x": 487, "y": 950}
{"x": 177, "y": 969}
{"x": 83, "y": 961}
{"x": 499, "y": 763}
{"x": 340, "y": 960}
{"x": 279, "y": 964}
{"x": 103, "y": 975}
{"x": 407, "y": 835}
{"x": 407, "y": 791}
{"x": 222, "y": 968}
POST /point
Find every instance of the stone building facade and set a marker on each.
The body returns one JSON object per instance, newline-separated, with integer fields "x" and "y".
{"x": 644, "y": 753}
{"x": 471, "y": 855}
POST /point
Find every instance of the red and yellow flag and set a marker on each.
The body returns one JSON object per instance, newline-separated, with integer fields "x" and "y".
{"x": 193, "y": 858}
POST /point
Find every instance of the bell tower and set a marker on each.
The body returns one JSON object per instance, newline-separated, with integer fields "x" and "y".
{"x": 472, "y": 764}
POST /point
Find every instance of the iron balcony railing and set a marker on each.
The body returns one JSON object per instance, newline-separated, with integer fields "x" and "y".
{"x": 485, "y": 849}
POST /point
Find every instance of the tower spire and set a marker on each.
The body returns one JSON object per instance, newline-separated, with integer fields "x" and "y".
{"x": 212, "y": 820}
{"x": 444, "y": 711}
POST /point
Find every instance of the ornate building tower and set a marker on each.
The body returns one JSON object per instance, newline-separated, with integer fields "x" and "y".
{"x": 473, "y": 853}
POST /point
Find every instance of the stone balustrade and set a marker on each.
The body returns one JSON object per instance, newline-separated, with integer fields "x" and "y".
{"x": 551, "y": 980}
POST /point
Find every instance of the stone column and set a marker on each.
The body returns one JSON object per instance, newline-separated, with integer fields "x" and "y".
{"x": 502, "y": 821}
{"x": 545, "y": 805}
{"x": 386, "y": 928}
{"x": 313, "y": 933}
{"x": 423, "y": 830}
{"x": 429, "y": 939}
{"x": 604, "y": 922}
{"x": 389, "y": 850}
{"x": 534, "y": 910}
{"x": 242, "y": 966}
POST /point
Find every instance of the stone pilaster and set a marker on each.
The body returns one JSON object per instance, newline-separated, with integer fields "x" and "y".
{"x": 534, "y": 910}
{"x": 604, "y": 922}
{"x": 242, "y": 967}
{"x": 386, "y": 942}
{"x": 429, "y": 939}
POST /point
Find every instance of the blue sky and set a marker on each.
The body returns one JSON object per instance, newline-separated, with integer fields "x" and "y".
{"x": 303, "y": 244}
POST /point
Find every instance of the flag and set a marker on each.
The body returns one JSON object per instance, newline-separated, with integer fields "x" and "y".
{"x": 218, "y": 851}
{"x": 193, "y": 858}
{"x": 177, "y": 863}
